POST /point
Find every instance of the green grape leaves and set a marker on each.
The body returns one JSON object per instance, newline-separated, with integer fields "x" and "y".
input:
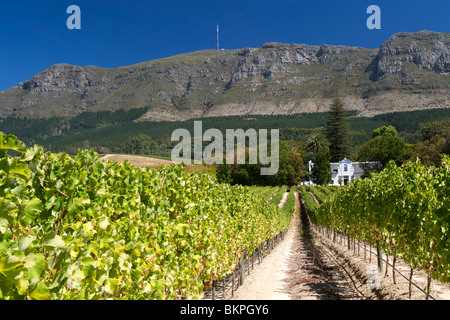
{"x": 405, "y": 208}
{"x": 78, "y": 228}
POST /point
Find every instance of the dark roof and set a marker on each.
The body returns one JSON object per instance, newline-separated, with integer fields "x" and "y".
{"x": 358, "y": 166}
{"x": 361, "y": 166}
{"x": 334, "y": 167}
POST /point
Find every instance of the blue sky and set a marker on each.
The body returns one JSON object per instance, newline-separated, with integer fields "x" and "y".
{"x": 34, "y": 35}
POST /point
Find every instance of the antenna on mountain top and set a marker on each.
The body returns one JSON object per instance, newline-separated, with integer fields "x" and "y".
{"x": 218, "y": 37}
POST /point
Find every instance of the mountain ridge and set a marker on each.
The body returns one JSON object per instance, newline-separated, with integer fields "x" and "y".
{"x": 410, "y": 71}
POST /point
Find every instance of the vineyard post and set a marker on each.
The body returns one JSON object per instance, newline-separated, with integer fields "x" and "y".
{"x": 253, "y": 258}
{"x": 241, "y": 273}
{"x": 257, "y": 251}
{"x": 379, "y": 257}
{"x": 428, "y": 285}
{"x": 232, "y": 284}
{"x": 246, "y": 265}
{"x": 365, "y": 251}
{"x": 410, "y": 281}
{"x": 387, "y": 263}
{"x": 393, "y": 269}
{"x": 348, "y": 242}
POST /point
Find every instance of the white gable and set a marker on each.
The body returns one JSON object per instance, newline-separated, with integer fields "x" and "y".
{"x": 345, "y": 160}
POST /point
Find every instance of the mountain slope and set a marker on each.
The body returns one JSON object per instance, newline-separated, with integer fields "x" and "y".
{"x": 409, "y": 71}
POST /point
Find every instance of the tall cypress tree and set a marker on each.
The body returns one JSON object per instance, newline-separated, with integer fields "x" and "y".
{"x": 337, "y": 131}
{"x": 321, "y": 171}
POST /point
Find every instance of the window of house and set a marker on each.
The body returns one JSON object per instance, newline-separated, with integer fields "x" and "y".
{"x": 345, "y": 167}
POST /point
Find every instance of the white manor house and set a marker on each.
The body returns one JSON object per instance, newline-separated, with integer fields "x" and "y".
{"x": 343, "y": 171}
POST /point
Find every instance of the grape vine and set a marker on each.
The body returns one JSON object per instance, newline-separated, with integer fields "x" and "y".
{"x": 404, "y": 209}
{"x": 79, "y": 228}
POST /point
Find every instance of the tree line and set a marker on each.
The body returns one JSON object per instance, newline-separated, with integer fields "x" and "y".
{"x": 385, "y": 145}
{"x": 320, "y": 137}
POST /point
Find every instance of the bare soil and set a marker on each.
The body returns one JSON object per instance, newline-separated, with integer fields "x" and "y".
{"x": 307, "y": 265}
{"x": 138, "y": 161}
{"x": 268, "y": 280}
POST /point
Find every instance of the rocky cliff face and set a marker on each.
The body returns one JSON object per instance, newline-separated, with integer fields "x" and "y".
{"x": 408, "y": 71}
{"x": 426, "y": 50}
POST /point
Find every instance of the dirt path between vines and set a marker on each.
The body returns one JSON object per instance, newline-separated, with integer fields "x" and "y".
{"x": 268, "y": 280}
{"x": 307, "y": 265}
{"x": 295, "y": 270}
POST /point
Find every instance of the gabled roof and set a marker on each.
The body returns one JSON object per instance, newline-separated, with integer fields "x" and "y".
{"x": 358, "y": 167}
{"x": 345, "y": 160}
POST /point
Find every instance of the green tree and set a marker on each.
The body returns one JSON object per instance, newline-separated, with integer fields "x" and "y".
{"x": 337, "y": 131}
{"x": 223, "y": 173}
{"x": 316, "y": 142}
{"x": 385, "y": 131}
{"x": 435, "y": 142}
{"x": 290, "y": 171}
{"x": 384, "y": 146}
{"x": 140, "y": 144}
{"x": 321, "y": 172}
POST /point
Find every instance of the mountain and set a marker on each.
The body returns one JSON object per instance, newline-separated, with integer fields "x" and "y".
{"x": 409, "y": 71}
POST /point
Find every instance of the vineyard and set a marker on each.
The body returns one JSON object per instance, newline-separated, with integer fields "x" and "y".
{"x": 79, "y": 228}
{"x": 402, "y": 211}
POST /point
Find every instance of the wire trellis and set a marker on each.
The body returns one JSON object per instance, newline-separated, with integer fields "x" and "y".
{"x": 225, "y": 288}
